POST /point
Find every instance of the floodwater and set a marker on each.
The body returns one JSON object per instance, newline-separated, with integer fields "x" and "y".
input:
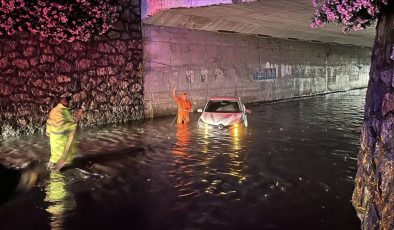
{"x": 293, "y": 168}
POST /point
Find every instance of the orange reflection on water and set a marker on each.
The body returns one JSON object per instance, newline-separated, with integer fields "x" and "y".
{"x": 182, "y": 139}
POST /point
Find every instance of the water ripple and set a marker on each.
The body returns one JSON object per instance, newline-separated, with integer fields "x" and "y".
{"x": 296, "y": 161}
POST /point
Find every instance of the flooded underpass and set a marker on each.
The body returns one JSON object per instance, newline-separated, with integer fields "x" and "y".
{"x": 292, "y": 168}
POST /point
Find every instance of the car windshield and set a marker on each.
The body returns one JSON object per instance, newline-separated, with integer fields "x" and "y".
{"x": 223, "y": 107}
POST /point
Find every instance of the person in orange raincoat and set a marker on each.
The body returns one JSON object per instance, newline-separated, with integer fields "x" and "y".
{"x": 184, "y": 107}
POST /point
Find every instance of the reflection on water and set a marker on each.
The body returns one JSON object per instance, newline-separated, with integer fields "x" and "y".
{"x": 182, "y": 139}
{"x": 60, "y": 199}
{"x": 292, "y": 168}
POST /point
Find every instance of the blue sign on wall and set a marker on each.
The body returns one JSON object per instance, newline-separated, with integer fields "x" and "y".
{"x": 265, "y": 74}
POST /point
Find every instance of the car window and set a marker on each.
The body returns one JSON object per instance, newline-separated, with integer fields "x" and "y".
{"x": 223, "y": 107}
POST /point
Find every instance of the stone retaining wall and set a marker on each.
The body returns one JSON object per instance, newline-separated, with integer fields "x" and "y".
{"x": 105, "y": 75}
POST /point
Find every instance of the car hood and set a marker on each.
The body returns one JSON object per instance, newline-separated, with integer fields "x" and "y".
{"x": 220, "y": 118}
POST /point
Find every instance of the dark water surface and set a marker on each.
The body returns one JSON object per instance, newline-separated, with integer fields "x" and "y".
{"x": 293, "y": 168}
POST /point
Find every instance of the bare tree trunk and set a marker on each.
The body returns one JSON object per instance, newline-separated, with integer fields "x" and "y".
{"x": 373, "y": 196}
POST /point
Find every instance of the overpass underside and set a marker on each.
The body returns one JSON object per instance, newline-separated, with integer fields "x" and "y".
{"x": 259, "y": 51}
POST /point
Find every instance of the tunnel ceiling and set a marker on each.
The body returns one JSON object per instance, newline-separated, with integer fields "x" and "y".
{"x": 277, "y": 18}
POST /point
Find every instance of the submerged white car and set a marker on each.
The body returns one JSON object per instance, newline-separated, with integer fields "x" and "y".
{"x": 223, "y": 112}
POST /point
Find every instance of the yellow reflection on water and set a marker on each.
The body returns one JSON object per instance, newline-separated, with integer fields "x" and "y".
{"x": 60, "y": 200}
{"x": 237, "y": 160}
{"x": 218, "y": 143}
{"x": 235, "y": 138}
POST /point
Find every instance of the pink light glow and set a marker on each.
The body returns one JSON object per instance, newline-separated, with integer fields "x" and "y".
{"x": 151, "y": 7}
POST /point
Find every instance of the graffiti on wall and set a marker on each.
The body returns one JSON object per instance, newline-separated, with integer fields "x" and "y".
{"x": 189, "y": 76}
{"x": 204, "y": 75}
{"x": 219, "y": 75}
{"x": 264, "y": 74}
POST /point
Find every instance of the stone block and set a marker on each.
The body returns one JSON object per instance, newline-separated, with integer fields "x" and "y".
{"x": 103, "y": 61}
{"x": 36, "y": 92}
{"x": 114, "y": 35}
{"x": 45, "y": 68}
{"x": 5, "y": 90}
{"x": 54, "y": 42}
{"x": 116, "y": 60}
{"x": 78, "y": 46}
{"x": 18, "y": 81}
{"x": 47, "y": 50}
{"x": 21, "y": 122}
{"x": 101, "y": 71}
{"x": 20, "y": 97}
{"x": 38, "y": 83}
{"x": 115, "y": 100}
{"x": 46, "y": 58}
{"x": 9, "y": 45}
{"x": 129, "y": 66}
{"x": 29, "y": 42}
{"x": 124, "y": 84}
{"x": 71, "y": 56}
{"x": 79, "y": 96}
{"x": 106, "y": 48}
{"x": 63, "y": 79}
{"x": 125, "y": 101}
{"x": 14, "y": 54}
{"x": 82, "y": 64}
{"x": 112, "y": 80}
{"x": 21, "y": 63}
{"x": 59, "y": 50}
{"x": 100, "y": 97}
{"x": 63, "y": 66}
{"x": 30, "y": 51}
{"x": 136, "y": 88}
{"x": 111, "y": 71}
{"x": 120, "y": 46}
{"x": 4, "y": 63}
{"x": 103, "y": 87}
{"x": 34, "y": 61}
{"x": 45, "y": 101}
{"x": 26, "y": 74}
{"x": 9, "y": 71}
{"x": 44, "y": 108}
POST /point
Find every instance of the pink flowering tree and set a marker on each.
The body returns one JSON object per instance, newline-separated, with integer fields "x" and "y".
{"x": 67, "y": 20}
{"x": 373, "y": 195}
{"x": 352, "y": 14}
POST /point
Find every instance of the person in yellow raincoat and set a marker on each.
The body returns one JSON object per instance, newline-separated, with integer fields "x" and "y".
{"x": 60, "y": 128}
{"x": 184, "y": 107}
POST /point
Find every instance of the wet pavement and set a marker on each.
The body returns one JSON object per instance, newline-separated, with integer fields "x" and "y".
{"x": 292, "y": 168}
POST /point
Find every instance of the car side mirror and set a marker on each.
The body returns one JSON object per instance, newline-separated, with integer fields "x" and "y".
{"x": 199, "y": 110}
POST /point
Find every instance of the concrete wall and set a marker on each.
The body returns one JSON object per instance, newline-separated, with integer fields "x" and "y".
{"x": 208, "y": 64}
{"x": 105, "y": 75}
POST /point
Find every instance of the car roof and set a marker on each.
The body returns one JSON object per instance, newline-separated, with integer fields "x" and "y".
{"x": 224, "y": 99}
